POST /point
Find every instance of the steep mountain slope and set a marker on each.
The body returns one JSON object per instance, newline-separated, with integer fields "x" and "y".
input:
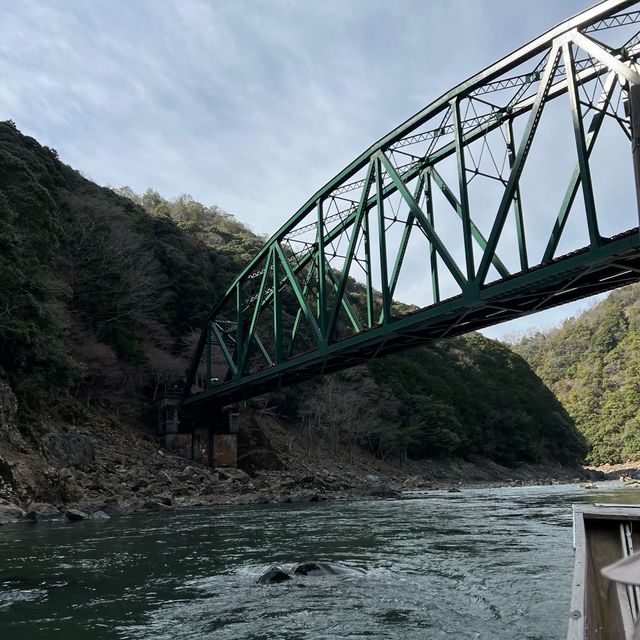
{"x": 97, "y": 298}
{"x": 592, "y": 363}
{"x": 472, "y": 394}
{"x": 468, "y": 397}
{"x": 102, "y": 294}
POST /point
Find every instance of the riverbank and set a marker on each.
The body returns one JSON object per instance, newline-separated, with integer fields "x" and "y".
{"x": 629, "y": 470}
{"x": 197, "y": 486}
{"x": 108, "y": 469}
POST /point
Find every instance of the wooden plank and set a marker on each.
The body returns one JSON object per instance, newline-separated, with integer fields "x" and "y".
{"x": 576, "y": 629}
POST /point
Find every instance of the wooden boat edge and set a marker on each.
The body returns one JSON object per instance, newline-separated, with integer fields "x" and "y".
{"x": 577, "y": 611}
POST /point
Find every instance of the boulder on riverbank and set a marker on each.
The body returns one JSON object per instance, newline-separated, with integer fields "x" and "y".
{"x": 100, "y": 515}
{"x": 114, "y": 470}
{"x": 75, "y": 515}
{"x": 615, "y": 471}
{"x": 70, "y": 449}
{"x": 10, "y": 513}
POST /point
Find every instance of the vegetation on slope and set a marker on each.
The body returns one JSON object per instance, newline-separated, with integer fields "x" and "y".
{"x": 97, "y": 297}
{"x": 103, "y": 293}
{"x": 472, "y": 394}
{"x": 465, "y": 397}
{"x": 592, "y": 363}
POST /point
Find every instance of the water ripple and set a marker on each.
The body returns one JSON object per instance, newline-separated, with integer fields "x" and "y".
{"x": 486, "y": 563}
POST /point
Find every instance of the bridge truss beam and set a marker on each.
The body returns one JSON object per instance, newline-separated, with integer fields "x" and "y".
{"x": 319, "y": 296}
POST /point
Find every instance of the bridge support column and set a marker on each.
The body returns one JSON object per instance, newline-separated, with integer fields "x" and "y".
{"x": 216, "y": 444}
{"x": 634, "y": 108}
{"x": 163, "y": 415}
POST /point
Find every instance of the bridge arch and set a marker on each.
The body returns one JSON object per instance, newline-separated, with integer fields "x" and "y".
{"x": 454, "y": 188}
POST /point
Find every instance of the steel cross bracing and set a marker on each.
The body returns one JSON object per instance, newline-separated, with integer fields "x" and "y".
{"x": 452, "y": 207}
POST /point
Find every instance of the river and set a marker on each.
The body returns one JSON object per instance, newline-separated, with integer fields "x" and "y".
{"x": 482, "y": 563}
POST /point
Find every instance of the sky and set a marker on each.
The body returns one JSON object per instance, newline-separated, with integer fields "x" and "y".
{"x": 251, "y": 105}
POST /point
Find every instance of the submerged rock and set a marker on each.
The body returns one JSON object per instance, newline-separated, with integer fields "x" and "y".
{"x": 275, "y": 575}
{"x": 311, "y": 569}
{"x": 316, "y": 569}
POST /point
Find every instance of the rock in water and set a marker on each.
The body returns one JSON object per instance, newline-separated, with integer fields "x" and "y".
{"x": 316, "y": 569}
{"x": 100, "y": 515}
{"x": 42, "y": 511}
{"x": 11, "y": 511}
{"x": 74, "y": 515}
{"x": 275, "y": 575}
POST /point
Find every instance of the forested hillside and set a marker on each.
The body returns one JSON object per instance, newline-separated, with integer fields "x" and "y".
{"x": 103, "y": 292}
{"x": 98, "y": 299}
{"x": 592, "y": 363}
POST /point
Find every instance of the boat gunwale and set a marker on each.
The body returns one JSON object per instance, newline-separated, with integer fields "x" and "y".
{"x": 582, "y": 512}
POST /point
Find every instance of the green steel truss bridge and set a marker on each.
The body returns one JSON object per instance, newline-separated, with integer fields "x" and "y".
{"x": 512, "y": 193}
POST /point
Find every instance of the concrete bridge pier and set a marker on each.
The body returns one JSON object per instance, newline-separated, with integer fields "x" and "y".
{"x": 216, "y": 443}
{"x": 164, "y": 416}
{"x": 212, "y": 439}
{"x": 634, "y": 109}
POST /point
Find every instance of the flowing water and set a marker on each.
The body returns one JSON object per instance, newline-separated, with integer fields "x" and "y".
{"x": 483, "y": 563}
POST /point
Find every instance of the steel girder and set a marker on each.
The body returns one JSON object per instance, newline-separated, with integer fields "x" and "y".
{"x": 320, "y": 295}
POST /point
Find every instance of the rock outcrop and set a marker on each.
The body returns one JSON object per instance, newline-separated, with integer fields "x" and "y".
{"x": 70, "y": 449}
{"x": 9, "y": 433}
